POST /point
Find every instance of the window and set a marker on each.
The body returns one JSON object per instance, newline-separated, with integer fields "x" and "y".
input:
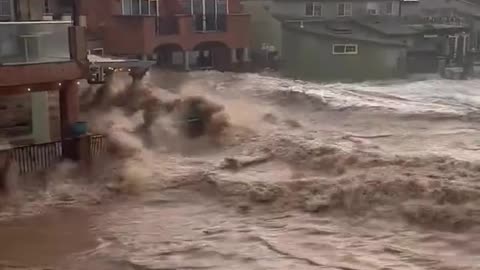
{"x": 145, "y": 8}
{"x": 222, "y": 7}
{"x": 153, "y": 7}
{"x": 46, "y": 7}
{"x": 344, "y": 9}
{"x": 389, "y": 8}
{"x": 345, "y": 49}
{"x": 140, "y": 7}
{"x": 186, "y": 6}
{"x": 313, "y": 9}
{"x": 6, "y": 10}
{"x": 372, "y": 8}
{"x": 135, "y": 7}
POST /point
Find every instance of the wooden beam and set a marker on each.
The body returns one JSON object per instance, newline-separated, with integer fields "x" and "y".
{"x": 34, "y": 74}
{"x": 28, "y": 88}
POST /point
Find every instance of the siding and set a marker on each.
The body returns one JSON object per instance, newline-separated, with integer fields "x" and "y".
{"x": 425, "y": 7}
{"x": 310, "y": 57}
{"x": 329, "y": 8}
{"x": 263, "y": 27}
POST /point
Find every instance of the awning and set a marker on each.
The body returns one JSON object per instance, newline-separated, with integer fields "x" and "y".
{"x": 111, "y": 62}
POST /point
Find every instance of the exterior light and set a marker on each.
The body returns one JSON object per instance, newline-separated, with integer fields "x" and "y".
{"x": 28, "y": 89}
{"x": 78, "y": 83}
{"x": 129, "y": 70}
{"x": 59, "y": 84}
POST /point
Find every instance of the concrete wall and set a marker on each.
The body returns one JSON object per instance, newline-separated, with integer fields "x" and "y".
{"x": 264, "y": 29}
{"x": 310, "y": 57}
{"x": 329, "y": 8}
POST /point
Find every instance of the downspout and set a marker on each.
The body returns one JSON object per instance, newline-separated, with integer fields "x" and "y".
{"x": 29, "y": 13}
{"x": 400, "y": 5}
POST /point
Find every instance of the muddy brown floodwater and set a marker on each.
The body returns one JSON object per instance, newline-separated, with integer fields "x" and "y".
{"x": 378, "y": 175}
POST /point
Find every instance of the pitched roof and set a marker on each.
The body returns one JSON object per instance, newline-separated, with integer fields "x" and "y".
{"x": 340, "y": 30}
{"x": 388, "y": 27}
{"x": 397, "y": 27}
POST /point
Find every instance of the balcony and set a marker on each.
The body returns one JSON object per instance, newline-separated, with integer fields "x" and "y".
{"x": 40, "y": 52}
{"x": 34, "y": 42}
{"x": 187, "y": 31}
{"x": 210, "y": 23}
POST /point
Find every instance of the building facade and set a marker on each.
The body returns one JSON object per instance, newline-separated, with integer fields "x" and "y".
{"x": 449, "y": 12}
{"x": 334, "y": 9}
{"x": 369, "y": 26}
{"x": 333, "y": 51}
{"x": 265, "y": 32}
{"x": 176, "y": 33}
{"x": 42, "y": 57}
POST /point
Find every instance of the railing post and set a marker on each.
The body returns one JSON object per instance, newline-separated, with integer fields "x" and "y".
{"x": 4, "y": 171}
{"x": 84, "y": 150}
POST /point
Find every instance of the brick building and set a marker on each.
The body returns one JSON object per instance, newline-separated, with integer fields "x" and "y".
{"x": 176, "y": 33}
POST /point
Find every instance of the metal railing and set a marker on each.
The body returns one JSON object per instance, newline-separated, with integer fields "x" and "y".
{"x": 98, "y": 145}
{"x": 210, "y": 23}
{"x": 34, "y": 42}
{"x": 39, "y": 157}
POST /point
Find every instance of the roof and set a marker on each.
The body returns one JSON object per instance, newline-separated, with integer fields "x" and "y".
{"x": 340, "y": 30}
{"x": 438, "y": 26}
{"x": 396, "y": 27}
{"x": 389, "y": 27}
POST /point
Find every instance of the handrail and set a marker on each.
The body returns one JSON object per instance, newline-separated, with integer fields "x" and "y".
{"x": 37, "y": 157}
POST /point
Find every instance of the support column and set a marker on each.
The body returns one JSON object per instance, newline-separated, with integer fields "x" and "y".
{"x": 246, "y": 55}
{"x": 69, "y": 107}
{"x": 186, "y": 59}
{"x": 442, "y": 63}
{"x": 234, "y": 56}
{"x": 69, "y": 110}
{"x": 40, "y": 117}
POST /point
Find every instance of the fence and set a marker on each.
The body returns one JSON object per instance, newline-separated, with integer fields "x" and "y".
{"x": 37, "y": 157}
{"x": 40, "y": 157}
{"x": 98, "y": 145}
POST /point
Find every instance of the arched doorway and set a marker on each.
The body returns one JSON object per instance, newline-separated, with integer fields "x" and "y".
{"x": 169, "y": 55}
{"x": 212, "y": 55}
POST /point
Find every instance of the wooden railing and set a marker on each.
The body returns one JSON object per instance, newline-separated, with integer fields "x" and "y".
{"x": 98, "y": 145}
{"x": 37, "y": 157}
{"x": 40, "y": 157}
